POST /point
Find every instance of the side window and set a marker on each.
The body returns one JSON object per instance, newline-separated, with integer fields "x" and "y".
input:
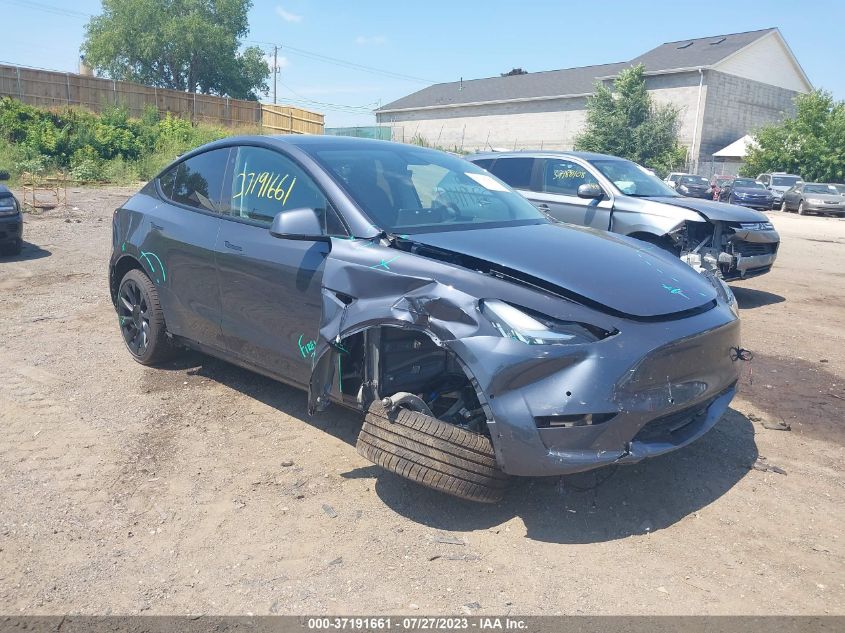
{"x": 564, "y": 177}
{"x": 265, "y": 182}
{"x": 514, "y": 171}
{"x": 199, "y": 181}
{"x": 484, "y": 163}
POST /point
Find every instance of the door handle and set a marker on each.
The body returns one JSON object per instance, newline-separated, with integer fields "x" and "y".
{"x": 234, "y": 247}
{"x": 543, "y": 206}
{"x": 157, "y": 227}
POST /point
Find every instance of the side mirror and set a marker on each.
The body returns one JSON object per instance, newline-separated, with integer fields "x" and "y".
{"x": 590, "y": 191}
{"x": 298, "y": 224}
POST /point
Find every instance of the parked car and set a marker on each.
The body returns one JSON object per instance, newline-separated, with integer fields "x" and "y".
{"x": 11, "y": 222}
{"x": 694, "y": 187}
{"x": 613, "y": 194}
{"x": 479, "y": 337}
{"x": 778, "y": 182}
{"x": 747, "y": 193}
{"x": 813, "y": 197}
{"x": 717, "y": 182}
{"x": 673, "y": 178}
{"x": 840, "y": 188}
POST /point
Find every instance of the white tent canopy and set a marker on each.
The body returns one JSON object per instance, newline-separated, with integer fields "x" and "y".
{"x": 737, "y": 149}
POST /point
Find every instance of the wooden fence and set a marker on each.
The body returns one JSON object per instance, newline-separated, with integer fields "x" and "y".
{"x": 49, "y": 88}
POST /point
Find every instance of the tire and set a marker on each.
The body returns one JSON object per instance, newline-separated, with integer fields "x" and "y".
{"x": 12, "y": 249}
{"x": 141, "y": 319}
{"x": 433, "y": 453}
{"x": 783, "y": 208}
{"x": 801, "y": 208}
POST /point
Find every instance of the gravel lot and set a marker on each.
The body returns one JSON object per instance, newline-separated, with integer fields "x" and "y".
{"x": 203, "y": 488}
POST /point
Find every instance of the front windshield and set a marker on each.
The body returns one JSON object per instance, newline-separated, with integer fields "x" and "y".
{"x": 631, "y": 179}
{"x": 820, "y": 189}
{"x": 694, "y": 180}
{"x": 747, "y": 183}
{"x": 784, "y": 181}
{"x": 409, "y": 189}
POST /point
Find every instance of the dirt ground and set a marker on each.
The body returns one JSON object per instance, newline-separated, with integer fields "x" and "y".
{"x": 205, "y": 489}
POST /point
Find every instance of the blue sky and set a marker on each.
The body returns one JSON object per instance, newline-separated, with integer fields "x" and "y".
{"x": 405, "y": 44}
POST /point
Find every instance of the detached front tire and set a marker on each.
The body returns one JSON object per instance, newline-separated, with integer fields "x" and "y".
{"x": 433, "y": 453}
{"x": 141, "y": 319}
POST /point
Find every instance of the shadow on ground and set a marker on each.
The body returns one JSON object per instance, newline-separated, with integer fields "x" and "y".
{"x": 748, "y": 298}
{"x": 604, "y": 505}
{"x": 29, "y": 252}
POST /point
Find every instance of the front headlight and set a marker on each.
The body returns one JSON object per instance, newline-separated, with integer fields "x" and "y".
{"x": 723, "y": 290}
{"x": 739, "y": 194}
{"x": 815, "y": 200}
{"x": 536, "y": 329}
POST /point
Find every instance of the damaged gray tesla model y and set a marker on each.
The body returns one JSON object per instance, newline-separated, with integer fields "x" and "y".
{"x": 480, "y": 339}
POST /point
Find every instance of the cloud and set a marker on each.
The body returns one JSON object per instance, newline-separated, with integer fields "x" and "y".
{"x": 376, "y": 40}
{"x": 287, "y": 16}
{"x": 283, "y": 62}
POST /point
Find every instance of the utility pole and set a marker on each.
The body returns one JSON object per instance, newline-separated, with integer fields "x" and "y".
{"x": 275, "y": 70}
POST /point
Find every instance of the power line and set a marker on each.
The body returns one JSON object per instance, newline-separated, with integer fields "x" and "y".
{"x": 49, "y": 8}
{"x": 341, "y": 62}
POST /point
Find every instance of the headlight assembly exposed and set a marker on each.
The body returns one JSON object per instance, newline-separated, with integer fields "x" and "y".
{"x": 536, "y": 329}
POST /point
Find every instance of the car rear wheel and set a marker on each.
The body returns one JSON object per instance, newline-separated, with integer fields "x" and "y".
{"x": 801, "y": 208}
{"x": 433, "y": 453}
{"x": 141, "y": 319}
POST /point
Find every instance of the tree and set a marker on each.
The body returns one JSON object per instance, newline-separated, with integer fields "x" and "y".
{"x": 811, "y": 143}
{"x": 623, "y": 121}
{"x": 183, "y": 44}
{"x": 514, "y": 71}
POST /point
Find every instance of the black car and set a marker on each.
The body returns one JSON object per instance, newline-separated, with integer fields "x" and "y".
{"x": 479, "y": 337}
{"x": 11, "y": 223}
{"x": 694, "y": 187}
{"x": 747, "y": 192}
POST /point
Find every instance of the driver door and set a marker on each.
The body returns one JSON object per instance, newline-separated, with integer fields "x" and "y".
{"x": 559, "y": 194}
{"x": 270, "y": 287}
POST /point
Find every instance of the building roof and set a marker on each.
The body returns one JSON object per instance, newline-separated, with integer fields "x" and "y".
{"x": 569, "y": 82}
{"x": 737, "y": 149}
{"x": 547, "y": 84}
{"x": 700, "y": 52}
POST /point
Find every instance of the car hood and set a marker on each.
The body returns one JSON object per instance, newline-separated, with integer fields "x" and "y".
{"x": 753, "y": 190}
{"x": 780, "y": 188}
{"x": 716, "y": 211}
{"x": 612, "y": 273}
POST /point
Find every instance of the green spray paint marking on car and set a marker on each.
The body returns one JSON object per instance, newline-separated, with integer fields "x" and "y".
{"x": 384, "y": 263}
{"x": 147, "y": 255}
{"x": 675, "y": 291}
{"x": 308, "y": 348}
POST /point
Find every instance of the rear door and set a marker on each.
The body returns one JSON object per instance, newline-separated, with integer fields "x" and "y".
{"x": 178, "y": 248}
{"x": 270, "y": 287}
{"x": 560, "y": 179}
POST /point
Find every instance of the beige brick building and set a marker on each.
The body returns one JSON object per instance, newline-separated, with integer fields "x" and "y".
{"x": 725, "y": 87}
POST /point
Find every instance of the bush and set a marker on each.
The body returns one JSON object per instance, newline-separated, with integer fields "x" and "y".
{"x": 110, "y": 146}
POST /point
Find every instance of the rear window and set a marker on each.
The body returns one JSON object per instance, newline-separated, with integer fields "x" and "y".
{"x": 199, "y": 181}
{"x": 514, "y": 171}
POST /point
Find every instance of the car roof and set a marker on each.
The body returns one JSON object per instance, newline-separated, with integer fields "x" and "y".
{"x": 544, "y": 154}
